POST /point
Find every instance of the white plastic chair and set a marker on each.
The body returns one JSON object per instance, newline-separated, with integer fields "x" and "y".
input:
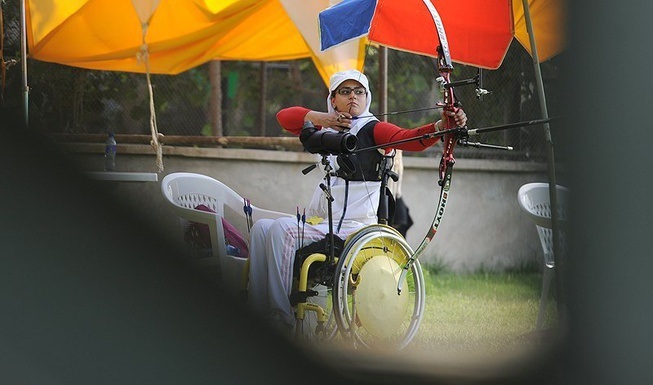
{"x": 186, "y": 191}
{"x": 534, "y": 200}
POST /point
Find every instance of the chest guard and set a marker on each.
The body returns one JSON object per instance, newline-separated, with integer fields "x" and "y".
{"x": 364, "y": 165}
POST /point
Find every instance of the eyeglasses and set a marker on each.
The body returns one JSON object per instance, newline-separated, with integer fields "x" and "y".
{"x": 346, "y": 91}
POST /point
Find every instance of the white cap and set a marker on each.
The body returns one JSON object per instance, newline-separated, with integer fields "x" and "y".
{"x": 339, "y": 77}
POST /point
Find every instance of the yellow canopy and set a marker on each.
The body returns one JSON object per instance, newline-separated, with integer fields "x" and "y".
{"x": 549, "y": 20}
{"x": 180, "y": 34}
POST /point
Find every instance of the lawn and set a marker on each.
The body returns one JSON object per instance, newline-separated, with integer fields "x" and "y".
{"x": 480, "y": 325}
{"x": 481, "y": 313}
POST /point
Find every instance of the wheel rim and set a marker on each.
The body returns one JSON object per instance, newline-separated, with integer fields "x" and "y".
{"x": 380, "y": 244}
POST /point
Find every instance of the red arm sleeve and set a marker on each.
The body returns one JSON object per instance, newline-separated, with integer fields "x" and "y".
{"x": 385, "y": 132}
{"x": 292, "y": 119}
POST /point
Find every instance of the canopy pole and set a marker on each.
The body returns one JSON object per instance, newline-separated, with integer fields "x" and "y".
{"x": 553, "y": 197}
{"x": 263, "y": 91}
{"x": 23, "y": 54}
{"x": 383, "y": 82}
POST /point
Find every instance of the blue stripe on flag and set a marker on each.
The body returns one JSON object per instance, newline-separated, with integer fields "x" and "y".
{"x": 345, "y": 21}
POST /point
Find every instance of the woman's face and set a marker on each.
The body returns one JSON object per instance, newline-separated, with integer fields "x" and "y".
{"x": 350, "y": 96}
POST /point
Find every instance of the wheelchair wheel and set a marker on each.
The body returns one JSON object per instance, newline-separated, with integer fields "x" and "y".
{"x": 368, "y": 310}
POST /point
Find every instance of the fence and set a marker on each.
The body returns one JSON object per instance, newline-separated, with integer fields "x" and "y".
{"x": 241, "y": 98}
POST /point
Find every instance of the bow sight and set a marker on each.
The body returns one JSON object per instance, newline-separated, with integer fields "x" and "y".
{"x": 476, "y": 80}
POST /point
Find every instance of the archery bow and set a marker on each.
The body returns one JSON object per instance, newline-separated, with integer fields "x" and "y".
{"x": 445, "y": 169}
{"x": 451, "y": 135}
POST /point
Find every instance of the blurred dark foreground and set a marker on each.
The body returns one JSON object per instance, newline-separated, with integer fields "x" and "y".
{"x": 90, "y": 295}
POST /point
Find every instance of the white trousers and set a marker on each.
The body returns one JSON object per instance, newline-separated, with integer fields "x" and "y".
{"x": 272, "y": 253}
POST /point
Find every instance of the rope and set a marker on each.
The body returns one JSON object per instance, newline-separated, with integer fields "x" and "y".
{"x": 143, "y": 56}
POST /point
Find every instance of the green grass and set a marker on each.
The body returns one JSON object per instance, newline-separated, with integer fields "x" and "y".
{"x": 484, "y": 313}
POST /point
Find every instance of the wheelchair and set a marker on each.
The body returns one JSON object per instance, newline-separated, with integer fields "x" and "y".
{"x": 347, "y": 294}
{"x": 357, "y": 299}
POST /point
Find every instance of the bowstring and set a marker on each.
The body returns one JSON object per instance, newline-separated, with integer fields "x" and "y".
{"x": 369, "y": 195}
{"x": 400, "y": 112}
{"x": 368, "y": 47}
{"x": 385, "y": 245}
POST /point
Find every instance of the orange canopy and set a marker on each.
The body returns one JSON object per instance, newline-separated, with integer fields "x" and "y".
{"x": 178, "y": 35}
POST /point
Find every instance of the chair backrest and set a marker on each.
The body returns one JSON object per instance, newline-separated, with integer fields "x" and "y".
{"x": 189, "y": 195}
{"x": 534, "y": 200}
{"x": 184, "y": 192}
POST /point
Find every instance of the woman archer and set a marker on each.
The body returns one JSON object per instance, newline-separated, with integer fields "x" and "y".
{"x": 356, "y": 190}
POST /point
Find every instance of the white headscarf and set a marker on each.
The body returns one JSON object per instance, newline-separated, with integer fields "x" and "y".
{"x": 337, "y": 79}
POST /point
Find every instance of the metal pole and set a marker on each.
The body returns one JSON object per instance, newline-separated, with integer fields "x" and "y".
{"x": 559, "y": 262}
{"x": 23, "y": 50}
{"x": 262, "y": 107}
{"x": 383, "y": 82}
{"x": 215, "y": 110}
